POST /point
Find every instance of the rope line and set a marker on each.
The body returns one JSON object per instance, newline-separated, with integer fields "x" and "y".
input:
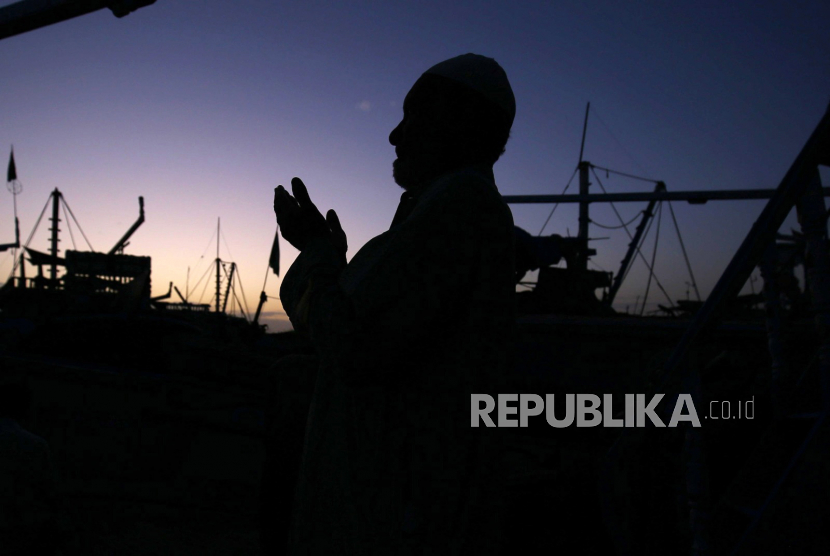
{"x": 653, "y": 256}
{"x": 636, "y": 216}
{"x": 597, "y": 265}
{"x": 614, "y": 137}
{"x": 29, "y": 239}
{"x": 242, "y": 289}
{"x": 68, "y": 227}
{"x": 244, "y": 314}
{"x": 202, "y": 257}
{"x": 639, "y": 251}
{"x": 206, "y": 283}
{"x": 65, "y": 204}
{"x": 226, "y": 245}
{"x": 557, "y": 204}
{"x": 685, "y": 256}
{"x": 632, "y": 176}
{"x": 202, "y": 278}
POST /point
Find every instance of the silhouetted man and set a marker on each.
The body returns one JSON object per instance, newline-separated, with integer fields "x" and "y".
{"x": 28, "y": 510}
{"x": 420, "y": 318}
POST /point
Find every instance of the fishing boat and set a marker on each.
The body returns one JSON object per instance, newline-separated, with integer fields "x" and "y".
{"x": 154, "y": 410}
{"x": 730, "y": 486}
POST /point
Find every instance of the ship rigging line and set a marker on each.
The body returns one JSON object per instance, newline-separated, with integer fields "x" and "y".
{"x": 685, "y": 256}
{"x": 203, "y": 277}
{"x": 597, "y": 265}
{"x": 242, "y": 289}
{"x": 653, "y": 256}
{"x": 623, "y": 225}
{"x": 239, "y": 278}
{"x": 241, "y": 310}
{"x": 199, "y": 260}
{"x": 206, "y": 283}
{"x": 66, "y": 206}
{"x": 639, "y": 247}
{"x": 228, "y": 247}
{"x": 639, "y": 252}
{"x": 29, "y": 239}
{"x": 68, "y": 227}
{"x": 632, "y": 176}
{"x": 614, "y": 137}
{"x": 557, "y": 204}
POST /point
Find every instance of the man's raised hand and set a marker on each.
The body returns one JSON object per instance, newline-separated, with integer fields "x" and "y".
{"x": 300, "y": 221}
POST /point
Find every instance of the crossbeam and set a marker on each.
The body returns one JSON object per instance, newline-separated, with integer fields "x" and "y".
{"x": 693, "y": 197}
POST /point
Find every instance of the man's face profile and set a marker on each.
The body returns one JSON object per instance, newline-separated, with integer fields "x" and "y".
{"x": 458, "y": 113}
{"x": 419, "y": 139}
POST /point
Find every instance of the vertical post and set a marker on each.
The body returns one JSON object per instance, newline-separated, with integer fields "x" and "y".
{"x": 53, "y": 268}
{"x": 582, "y": 260}
{"x": 812, "y": 215}
{"x": 22, "y": 268}
{"x": 218, "y": 266}
{"x": 772, "y": 308}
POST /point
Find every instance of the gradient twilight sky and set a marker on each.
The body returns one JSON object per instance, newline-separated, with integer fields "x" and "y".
{"x": 204, "y": 106}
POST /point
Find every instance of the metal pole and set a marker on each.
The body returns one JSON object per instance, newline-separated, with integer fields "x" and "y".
{"x": 812, "y": 216}
{"x": 582, "y": 260}
{"x": 53, "y": 267}
{"x": 584, "y": 132}
{"x": 772, "y": 303}
{"x": 218, "y": 265}
{"x": 693, "y": 197}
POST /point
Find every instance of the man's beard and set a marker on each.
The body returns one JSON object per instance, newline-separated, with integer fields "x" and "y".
{"x": 411, "y": 173}
{"x": 405, "y": 175}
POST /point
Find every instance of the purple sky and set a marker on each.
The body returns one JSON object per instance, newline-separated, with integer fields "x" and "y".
{"x": 203, "y": 107}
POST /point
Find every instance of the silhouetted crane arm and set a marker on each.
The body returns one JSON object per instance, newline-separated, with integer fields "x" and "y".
{"x": 28, "y": 15}
{"x": 123, "y": 241}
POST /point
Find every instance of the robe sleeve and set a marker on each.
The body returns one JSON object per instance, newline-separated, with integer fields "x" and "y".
{"x": 418, "y": 285}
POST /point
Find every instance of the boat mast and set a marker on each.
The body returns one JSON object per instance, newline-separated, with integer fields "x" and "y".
{"x": 53, "y": 268}
{"x": 218, "y": 265}
{"x": 584, "y": 168}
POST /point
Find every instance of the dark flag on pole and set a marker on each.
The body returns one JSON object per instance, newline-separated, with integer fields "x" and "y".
{"x": 274, "y": 260}
{"x": 11, "y": 174}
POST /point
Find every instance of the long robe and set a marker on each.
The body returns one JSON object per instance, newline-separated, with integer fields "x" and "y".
{"x": 421, "y": 318}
